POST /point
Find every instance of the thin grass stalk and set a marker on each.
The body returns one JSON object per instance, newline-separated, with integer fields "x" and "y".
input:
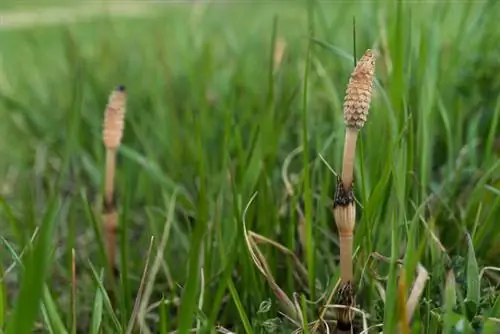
{"x": 112, "y": 136}
{"x": 356, "y": 106}
{"x": 73, "y": 292}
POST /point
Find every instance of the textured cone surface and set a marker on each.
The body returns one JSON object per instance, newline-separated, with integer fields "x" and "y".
{"x": 359, "y": 91}
{"x": 114, "y": 119}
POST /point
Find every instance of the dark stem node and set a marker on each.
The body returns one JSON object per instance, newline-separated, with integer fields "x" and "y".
{"x": 109, "y": 206}
{"x": 345, "y": 296}
{"x": 344, "y": 196}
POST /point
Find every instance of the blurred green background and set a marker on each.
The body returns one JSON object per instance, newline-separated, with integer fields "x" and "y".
{"x": 210, "y": 123}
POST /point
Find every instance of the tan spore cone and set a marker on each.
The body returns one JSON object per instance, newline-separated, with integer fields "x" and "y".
{"x": 359, "y": 91}
{"x": 356, "y": 106}
{"x": 114, "y": 118}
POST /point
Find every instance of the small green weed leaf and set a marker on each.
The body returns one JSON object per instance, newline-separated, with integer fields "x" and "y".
{"x": 473, "y": 293}
{"x": 272, "y": 325}
{"x": 470, "y": 308}
{"x": 495, "y": 310}
{"x": 265, "y": 306}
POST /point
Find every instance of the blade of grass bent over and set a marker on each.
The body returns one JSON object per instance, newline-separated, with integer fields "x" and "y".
{"x": 97, "y": 309}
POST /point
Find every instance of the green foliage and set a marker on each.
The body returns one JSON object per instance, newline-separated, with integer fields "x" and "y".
{"x": 212, "y": 120}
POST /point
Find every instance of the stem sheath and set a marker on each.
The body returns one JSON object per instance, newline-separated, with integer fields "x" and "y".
{"x": 351, "y": 137}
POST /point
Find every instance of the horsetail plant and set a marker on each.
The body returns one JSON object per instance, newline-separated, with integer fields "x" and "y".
{"x": 356, "y": 106}
{"x": 114, "y": 117}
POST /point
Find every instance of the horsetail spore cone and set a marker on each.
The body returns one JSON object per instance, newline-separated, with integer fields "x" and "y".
{"x": 359, "y": 91}
{"x": 356, "y": 106}
{"x": 114, "y": 119}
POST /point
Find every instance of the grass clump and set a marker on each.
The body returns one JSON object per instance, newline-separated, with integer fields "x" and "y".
{"x": 227, "y": 171}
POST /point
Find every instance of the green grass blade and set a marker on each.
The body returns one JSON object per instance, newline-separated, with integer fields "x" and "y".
{"x": 107, "y": 302}
{"x": 495, "y": 310}
{"x": 36, "y": 264}
{"x": 239, "y": 307}
{"x": 450, "y": 300}
{"x": 310, "y": 249}
{"x": 473, "y": 290}
{"x": 189, "y": 297}
{"x": 13, "y": 222}
{"x": 3, "y": 299}
{"x": 97, "y": 309}
{"x": 54, "y": 320}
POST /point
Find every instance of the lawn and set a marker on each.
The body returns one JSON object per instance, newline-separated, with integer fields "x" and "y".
{"x": 227, "y": 170}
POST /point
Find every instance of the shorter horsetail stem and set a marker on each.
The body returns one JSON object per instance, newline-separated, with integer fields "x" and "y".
{"x": 114, "y": 118}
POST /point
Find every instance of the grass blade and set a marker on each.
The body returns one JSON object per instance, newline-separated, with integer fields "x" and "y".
{"x": 239, "y": 307}
{"x": 473, "y": 293}
{"x": 3, "y": 300}
{"x": 107, "y": 301}
{"x": 52, "y": 313}
{"x": 97, "y": 309}
{"x": 36, "y": 264}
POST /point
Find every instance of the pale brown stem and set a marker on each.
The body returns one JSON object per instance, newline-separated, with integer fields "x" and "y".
{"x": 346, "y": 272}
{"x": 110, "y": 227}
{"x": 351, "y": 137}
{"x": 110, "y": 175}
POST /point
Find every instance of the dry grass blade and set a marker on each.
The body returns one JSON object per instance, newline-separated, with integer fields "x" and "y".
{"x": 135, "y": 311}
{"x": 259, "y": 239}
{"x": 261, "y": 264}
{"x": 288, "y": 306}
{"x": 328, "y": 302}
{"x": 114, "y": 118}
{"x": 488, "y": 271}
{"x": 301, "y": 228}
{"x": 367, "y": 330}
{"x": 416, "y": 291}
{"x": 417, "y": 288}
{"x": 159, "y": 259}
{"x": 223, "y": 330}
